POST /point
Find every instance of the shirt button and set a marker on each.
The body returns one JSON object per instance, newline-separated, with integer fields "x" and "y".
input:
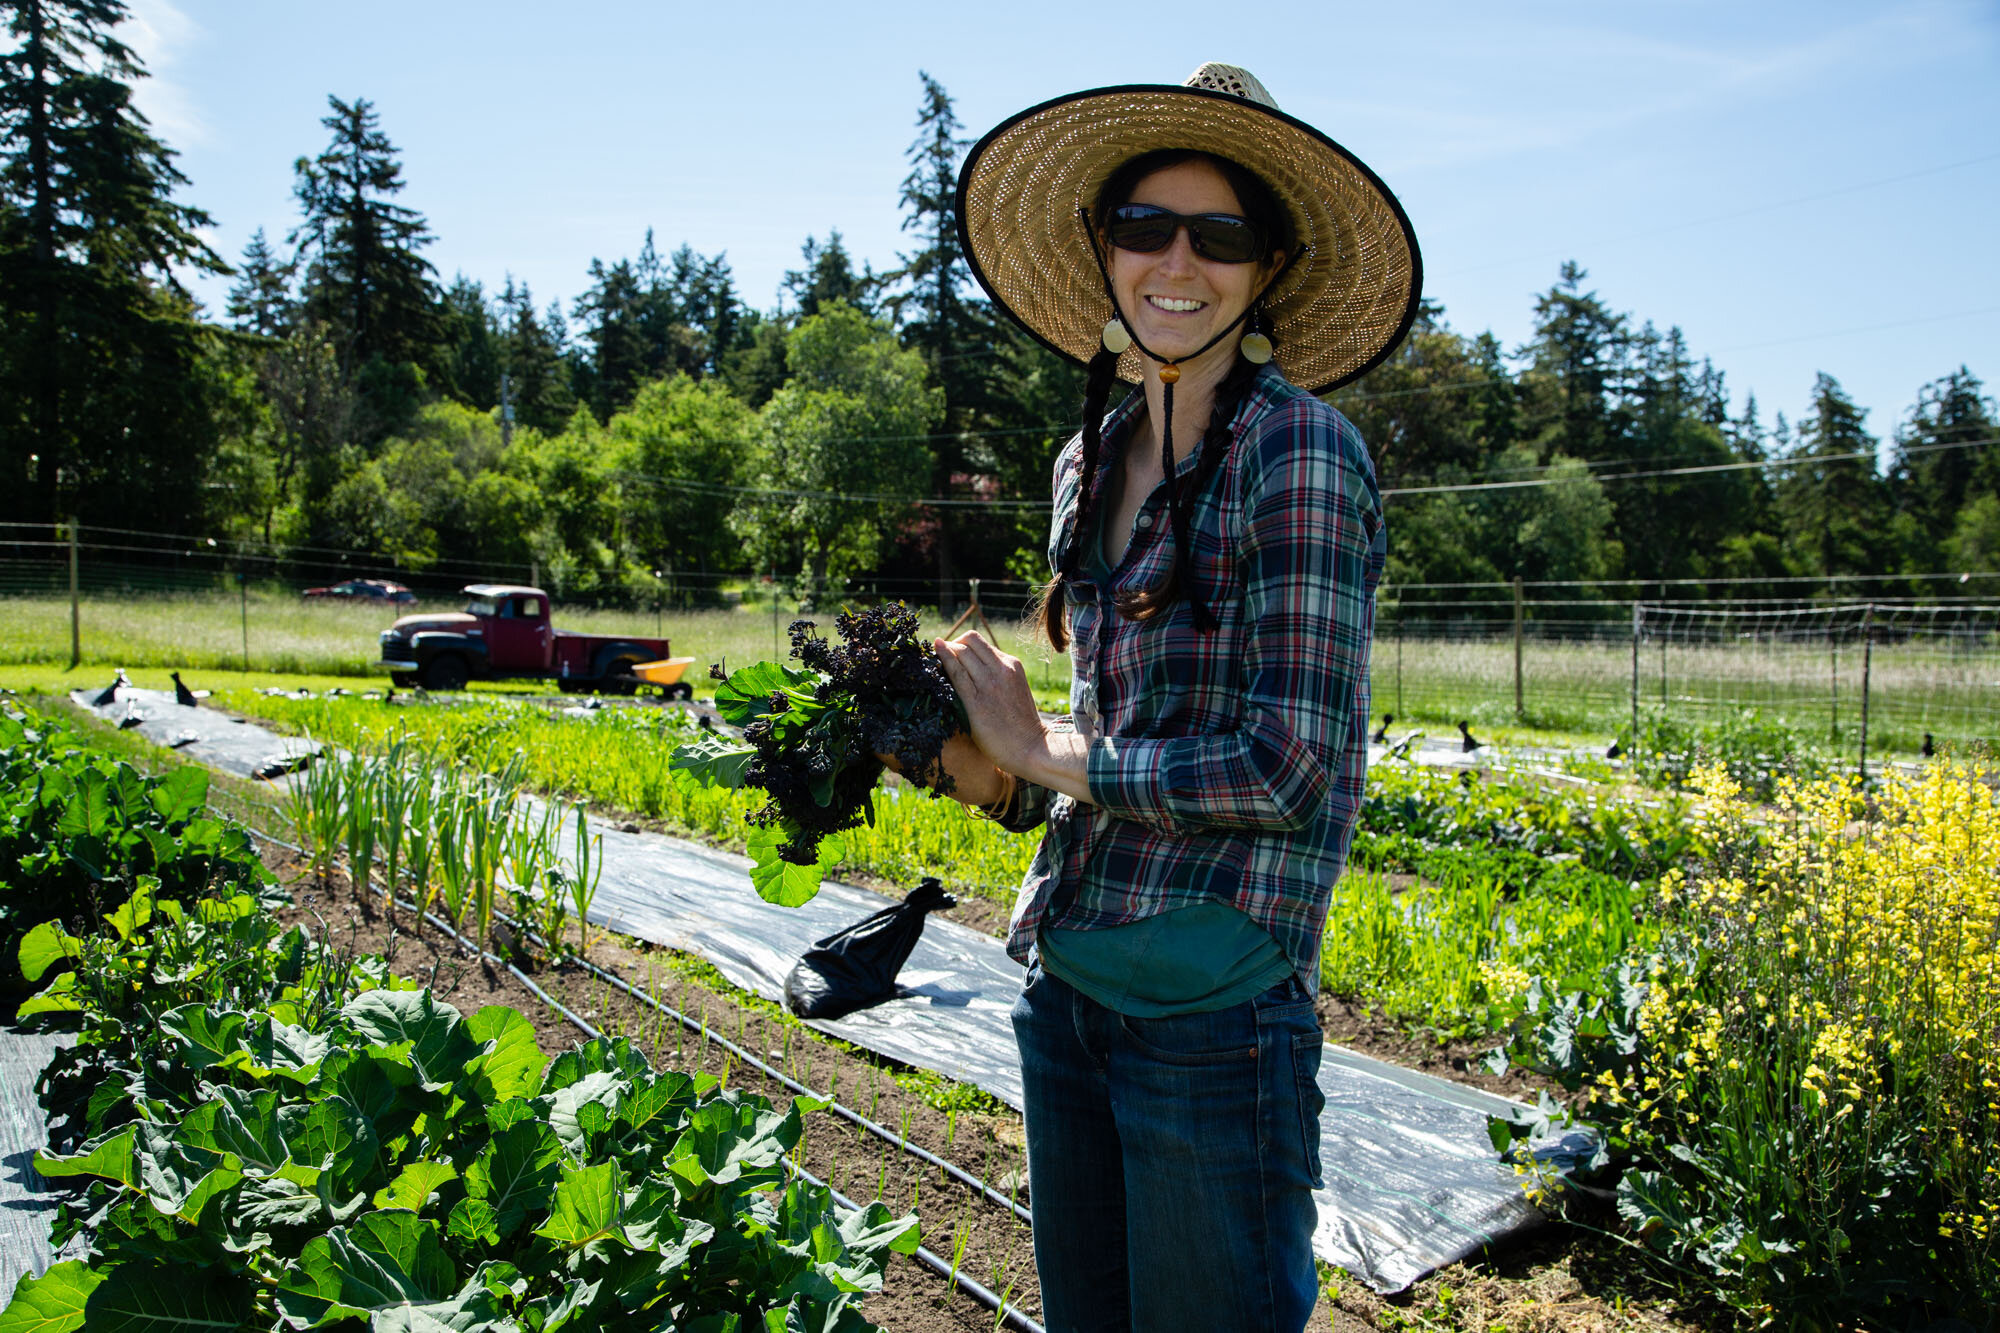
{"x": 1145, "y": 520}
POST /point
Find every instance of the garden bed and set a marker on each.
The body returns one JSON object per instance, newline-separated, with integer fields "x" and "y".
{"x": 998, "y": 1250}
{"x": 1563, "y": 1279}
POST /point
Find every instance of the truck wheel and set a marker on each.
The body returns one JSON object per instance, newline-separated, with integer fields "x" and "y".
{"x": 446, "y": 671}
{"x": 618, "y": 677}
{"x": 680, "y": 690}
{"x": 402, "y": 680}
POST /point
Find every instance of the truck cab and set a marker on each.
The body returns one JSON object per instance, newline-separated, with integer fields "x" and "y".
{"x": 517, "y": 628}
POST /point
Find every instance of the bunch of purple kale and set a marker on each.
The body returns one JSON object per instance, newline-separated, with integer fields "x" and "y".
{"x": 811, "y": 735}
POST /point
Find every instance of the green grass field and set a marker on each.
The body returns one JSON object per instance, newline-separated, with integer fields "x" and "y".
{"x": 1572, "y": 693}
{"x": 290, "y": 636}
{"x": 1585, "y": 689}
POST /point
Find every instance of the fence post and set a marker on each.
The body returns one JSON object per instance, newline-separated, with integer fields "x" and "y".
{"x": 1636, "y": 621}
{"x": 1399, "y": 662}
{"x": 243, "y": 587}
{"x": 75, "y": 602}
{"x": 1867, "y": 662}
{"x": 1520, "y": 713}
{"x": 1833, "y": 671}
{"x": 772, "y": 575}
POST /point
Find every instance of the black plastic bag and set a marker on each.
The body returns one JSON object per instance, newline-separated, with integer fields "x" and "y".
{"x": 856, "y": 967}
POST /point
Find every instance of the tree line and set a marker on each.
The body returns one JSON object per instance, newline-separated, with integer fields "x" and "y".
{"x": 870, "y": 425}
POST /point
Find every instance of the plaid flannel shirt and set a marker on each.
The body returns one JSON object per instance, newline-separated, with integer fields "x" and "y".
{"x": 1229, "y": 765}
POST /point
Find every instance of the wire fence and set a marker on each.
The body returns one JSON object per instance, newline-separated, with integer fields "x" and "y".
{"x": 1862, "y": 672}
{"x": 1861, "y": 677}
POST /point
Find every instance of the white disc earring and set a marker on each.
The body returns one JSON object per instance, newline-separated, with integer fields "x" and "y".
{"x": 1115, "y": 338}
{"x": 1254, "y": 346}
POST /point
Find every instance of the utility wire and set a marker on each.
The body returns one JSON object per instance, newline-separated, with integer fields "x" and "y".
{"x": 863, "y": 497}
{"x": 1750, "y": 465}
{"x": 1865, "y": 328}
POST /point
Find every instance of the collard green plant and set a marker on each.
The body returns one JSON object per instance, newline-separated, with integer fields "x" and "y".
{"x": 78, "y": 832}
{"x": 406, "y": 1161}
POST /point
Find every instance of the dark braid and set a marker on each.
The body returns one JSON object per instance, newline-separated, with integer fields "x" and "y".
{"x": 1210, "y": 452}
{"x": 1103, "y": 373}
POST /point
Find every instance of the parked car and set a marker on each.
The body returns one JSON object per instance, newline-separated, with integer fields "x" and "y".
{"x": 369, "y": 590}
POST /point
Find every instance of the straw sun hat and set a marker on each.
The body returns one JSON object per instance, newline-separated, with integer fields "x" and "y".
{"x": 1344, "y": 301}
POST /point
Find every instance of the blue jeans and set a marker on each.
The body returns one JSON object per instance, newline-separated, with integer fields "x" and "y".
{"x": 1171, "y": 1161}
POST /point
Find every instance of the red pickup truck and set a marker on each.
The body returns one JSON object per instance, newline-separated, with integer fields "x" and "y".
{"x": 504, "y": 634}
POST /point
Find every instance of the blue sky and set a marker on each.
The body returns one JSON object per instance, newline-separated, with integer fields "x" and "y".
{"x": 1799, "y": 186}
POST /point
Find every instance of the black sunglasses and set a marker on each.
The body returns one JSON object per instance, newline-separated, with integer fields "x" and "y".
{"x": 1148, "y": 229}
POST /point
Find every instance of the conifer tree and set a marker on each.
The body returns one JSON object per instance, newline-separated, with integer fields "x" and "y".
{"x": 469, "y": 355}
{"x": 1578, "y": 362}
{"x": 1831, "y": 498}
{"x": 827, "y": 276}
{"x": 365, "y": 274}
{"x": 1675, "y": 526}
{"x": 105, "y": 410}
{"x": 261, "y": 301}
{"x": 531, "y": 355}
{"x": 613, "y": 318}
{"x": 701, "y": 293}
{"x": 1936, "y": 480}
{"x": 955, "y": 336}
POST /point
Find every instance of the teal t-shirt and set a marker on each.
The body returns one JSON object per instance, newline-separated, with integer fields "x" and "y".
{"x": 1190, "y": 960}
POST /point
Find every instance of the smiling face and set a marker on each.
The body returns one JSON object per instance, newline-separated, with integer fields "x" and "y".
{"x": 1175, "y": 299}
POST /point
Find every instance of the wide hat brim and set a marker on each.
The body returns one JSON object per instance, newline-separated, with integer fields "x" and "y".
{"x": 1343, "y": 303}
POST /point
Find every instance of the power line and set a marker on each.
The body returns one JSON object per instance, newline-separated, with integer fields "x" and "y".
{"x": 863, "y": 497}
{"x": 1749, "y": 465}
{"x": 1696, "y": 581}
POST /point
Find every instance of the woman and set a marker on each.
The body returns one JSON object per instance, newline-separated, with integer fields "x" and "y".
{"x": 1216, "y": 543}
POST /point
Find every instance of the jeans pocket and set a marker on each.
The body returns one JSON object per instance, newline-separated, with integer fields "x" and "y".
{"x": 1306, "y": 1051}
{"x": 1225, "y": 1037}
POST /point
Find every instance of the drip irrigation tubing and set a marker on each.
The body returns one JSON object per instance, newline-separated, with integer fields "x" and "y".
{"x": 1012, "y": 1316}
{"x": 853, "y": 1117}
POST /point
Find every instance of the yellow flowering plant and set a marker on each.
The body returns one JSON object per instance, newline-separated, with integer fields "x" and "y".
{"x": 1801, "y": 1083}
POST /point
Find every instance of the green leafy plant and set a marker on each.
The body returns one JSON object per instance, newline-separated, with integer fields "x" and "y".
{"x": 1798, "y": 1080}
{"x": 265, "y": 1135}
{"x": 79, "y": 832}
{"x": 1755, "y": 751}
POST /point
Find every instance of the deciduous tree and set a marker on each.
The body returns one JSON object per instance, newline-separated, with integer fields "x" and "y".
{"x": 843, "y": 454}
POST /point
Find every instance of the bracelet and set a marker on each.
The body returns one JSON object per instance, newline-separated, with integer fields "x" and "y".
{"x": 1001, "y": 805}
